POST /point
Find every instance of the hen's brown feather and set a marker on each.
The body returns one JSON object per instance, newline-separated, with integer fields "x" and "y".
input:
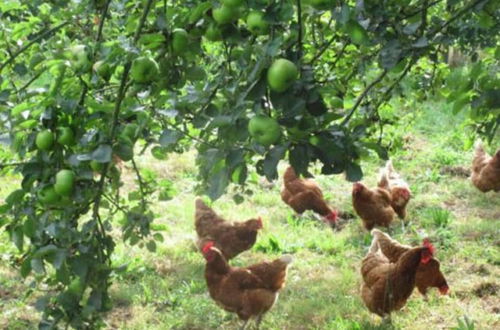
{"x": 428, "y": 275}
{"x": 248, "y": 292}
{"x": 230, "y": 238}
{"x": 373, "y": 206}
{"x": 486, "y": 170}
{"x": 387, "y": 286}
{"x": 303, "y": 194}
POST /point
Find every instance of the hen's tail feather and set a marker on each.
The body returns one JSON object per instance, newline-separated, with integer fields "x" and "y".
{"x": 375, "y": 232}
{"x": 286, "y": 258}
{"x": 374, "y": 247}
{"x": 478, "y": 147}
{"x": 389, "y": 166}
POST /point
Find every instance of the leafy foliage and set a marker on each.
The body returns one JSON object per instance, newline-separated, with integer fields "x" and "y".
{"x": 113, "y": 73}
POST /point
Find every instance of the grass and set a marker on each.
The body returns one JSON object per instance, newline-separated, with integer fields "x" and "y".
{"x": 166, "y": 289}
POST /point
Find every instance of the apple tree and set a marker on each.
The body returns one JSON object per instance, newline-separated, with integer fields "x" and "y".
{"x": 87, "y": 86}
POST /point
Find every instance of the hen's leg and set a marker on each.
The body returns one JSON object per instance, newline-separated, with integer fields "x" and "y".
{"x": 244, "y": 326}
{"x": 259, "y": 319}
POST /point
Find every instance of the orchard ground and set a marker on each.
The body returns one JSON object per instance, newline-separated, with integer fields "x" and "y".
{"x": 167, "y": 290}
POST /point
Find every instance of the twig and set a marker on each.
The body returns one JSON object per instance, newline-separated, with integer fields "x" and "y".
{"x": 2, "y": 166}
{"x": 31, "y": 43}
{"x": 363, "y": 95}
{"x": 101, "y": 22}
{"x": 35, "y": 77}
{"x": 458, "y": 14}
{"x": 115, "y": 204}
{"x": 299, "y": 18}
{"x": 420, "y": 9}
{"x": 324, "y": 48}
{"x": 141, "y": 184}
{"x": 396, "y": 82}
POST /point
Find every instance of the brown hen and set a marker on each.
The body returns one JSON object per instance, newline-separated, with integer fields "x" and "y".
{"x": 486, "y": 170}
{"x": 390, "y": 180}
{"x": 428, "y": 275}
{"x": 374, "y": 206}
{"x": 247, "y": 291}
{"x": 230, "y": 238}
{"x": 304, "y": 194}
{"x": 387, "y": 286}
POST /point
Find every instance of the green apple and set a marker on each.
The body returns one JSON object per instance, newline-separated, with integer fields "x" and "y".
{"x": 232, "y": 3}
{"x": 44, "y": 140}
{"x": 65, "y": 180}
{"x": 103, "y": 69}
{"x": 144, "y": 69}
{"x": 48, "y": 195}
{"x": 213, "y": 33}
{"x": 179, "y": 41}
{"x": 79, "y": 56}
{"x": 66, "y": 136}
{"x": 314, "y": 140}
{"x": 282, "y": 74}
{"x": 256, "y": 23}
{"x": 264, "y": 130}
{"x": 225, "y": 14}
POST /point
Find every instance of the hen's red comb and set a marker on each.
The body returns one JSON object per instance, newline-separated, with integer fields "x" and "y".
{"x": 259, "y": 219}
{"x": 207, "y": 246}
{"x": 427, "y": 243}
{"x": 429, "y": 253}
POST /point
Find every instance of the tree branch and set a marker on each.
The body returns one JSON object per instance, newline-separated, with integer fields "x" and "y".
{"x": 35, "y": 77}
{"x": 121, "y": 95}
{"x": 416, "y": 12}
{"x": 5, "y": 165}
{"x": 362, "y": 96}
{"x": 141, "y": 184}
{"x": 31, "y": 43}
{"x": 299, "y": 18}
{"x": 458, "y": 14}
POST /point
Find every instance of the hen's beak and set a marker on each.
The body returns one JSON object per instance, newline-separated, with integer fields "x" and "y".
{"x": 444, "y": 289}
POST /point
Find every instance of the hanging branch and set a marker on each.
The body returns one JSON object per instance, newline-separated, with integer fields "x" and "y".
{"x": 31, "y": 43}
{"x": 362, "y": 96}
{"x": 121, "y": 95}
{"x": 141, "y": 184}
{"x": 299, "y": 18}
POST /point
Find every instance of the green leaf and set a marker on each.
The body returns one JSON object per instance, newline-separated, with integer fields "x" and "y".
{"x": 299, "y": 158}
{"x": 158, "y": 237}
{"x": 29, "y": 227}
{"x": 26, "y": 267}
{"x": 17, "y": 237}
{"x": 15, "y": 197}
{"x": 169, "y": 137}
{"x": 151, "y": 246}
{"x": 217, "y": 183}
{"x": 459, "y": 104}
{"x": 354, "y": 172}
{"x": 199, "y": 11}
{"x": 102, "y": 154}
{"x": 271, "y": 161}
{"x": 37, "y": 266}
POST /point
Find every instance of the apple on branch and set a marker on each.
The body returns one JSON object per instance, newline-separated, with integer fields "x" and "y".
{"x": 264, "y": 130}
